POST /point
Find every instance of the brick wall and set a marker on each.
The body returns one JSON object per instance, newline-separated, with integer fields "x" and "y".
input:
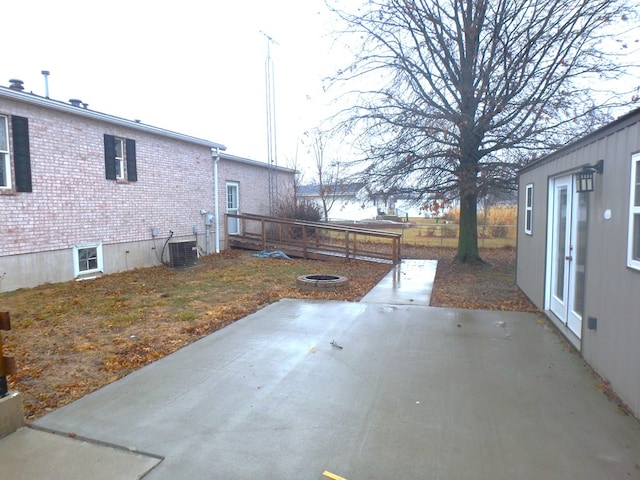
{"x": 253, "y": 186}
{"x": 72, "y": 202}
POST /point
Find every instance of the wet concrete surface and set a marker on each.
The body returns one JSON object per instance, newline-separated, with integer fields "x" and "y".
{"x": 408, "y": 283}
{"x": 414, "y": 392}
{"x": 30, "y": 454}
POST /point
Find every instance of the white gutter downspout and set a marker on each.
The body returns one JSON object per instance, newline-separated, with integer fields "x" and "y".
{"x": 216, "y": 159}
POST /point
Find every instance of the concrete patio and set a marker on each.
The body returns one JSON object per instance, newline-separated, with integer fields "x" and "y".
{"x": 362, "y": 390}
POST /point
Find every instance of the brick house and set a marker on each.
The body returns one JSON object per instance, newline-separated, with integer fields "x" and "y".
{"x": 84, "y": 193}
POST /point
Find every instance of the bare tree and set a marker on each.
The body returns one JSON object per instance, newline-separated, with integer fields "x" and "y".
{"x": 460, "y": 93}
{"x": 294, "y": 207}
{"x": 298, "y": 176}
{"x": 328, "y": 180}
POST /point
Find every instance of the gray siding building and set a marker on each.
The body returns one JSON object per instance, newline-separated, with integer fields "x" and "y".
{"x": 578, "y": 256}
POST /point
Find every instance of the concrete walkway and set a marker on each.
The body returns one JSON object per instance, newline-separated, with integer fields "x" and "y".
{"x": 361, "y": 390}
{"x": 408, "y": 283}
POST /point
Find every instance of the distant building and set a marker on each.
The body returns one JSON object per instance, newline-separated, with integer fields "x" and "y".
{"x": 351, "y": 202}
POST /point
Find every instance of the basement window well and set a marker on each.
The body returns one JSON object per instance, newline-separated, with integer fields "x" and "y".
{"x": 87, "y": 259}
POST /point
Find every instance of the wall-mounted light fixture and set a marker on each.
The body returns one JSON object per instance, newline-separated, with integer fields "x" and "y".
{"x": 584, "y": 178}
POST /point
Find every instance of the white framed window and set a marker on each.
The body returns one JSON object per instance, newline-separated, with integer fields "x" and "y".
{"x": 5, "y": 155}
{"x": 528, "y": 209}
{"x": 120, "y": 158}
{"x": 87, "y": 259}
{"x": 633, "y": 245}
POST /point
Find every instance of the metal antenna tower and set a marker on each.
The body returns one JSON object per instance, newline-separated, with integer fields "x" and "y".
{"x": 272, "y": 151}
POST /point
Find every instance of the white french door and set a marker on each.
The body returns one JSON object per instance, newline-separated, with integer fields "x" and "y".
{"x": 233, "y": 206}
{"x": 566, "y": 252}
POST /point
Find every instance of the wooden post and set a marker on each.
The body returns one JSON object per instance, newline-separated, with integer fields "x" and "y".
{"x": 346, "y": 244}
{"x": 355, "y": 245}
{"x": 393, "y": 250}
{"x": 304, "y": 241}
{"x": 5, "y": 324}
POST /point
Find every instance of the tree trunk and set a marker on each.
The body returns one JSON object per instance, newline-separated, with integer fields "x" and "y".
{"x": 325, "y": 209}
{"x": 468, "y": 235}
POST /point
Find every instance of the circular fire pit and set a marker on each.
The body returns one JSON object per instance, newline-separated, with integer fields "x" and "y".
{"x": 322, "y": 283}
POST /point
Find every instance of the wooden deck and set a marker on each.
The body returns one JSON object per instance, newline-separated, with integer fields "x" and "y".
{"x": 314, "y": 240}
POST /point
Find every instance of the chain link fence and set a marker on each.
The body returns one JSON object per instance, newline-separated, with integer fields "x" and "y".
{"x": 445, "y": 234}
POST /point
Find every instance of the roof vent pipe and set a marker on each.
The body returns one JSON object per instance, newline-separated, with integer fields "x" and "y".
{"x": 75, "y": 102}
{"x": 15, "y": 84}
{"x": 46, "y": 82}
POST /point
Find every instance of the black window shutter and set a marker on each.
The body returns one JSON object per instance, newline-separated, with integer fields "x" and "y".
{"x": 132, "y": 172}
{"x": 21, "y": 153}
{"x": 110, "y": 157}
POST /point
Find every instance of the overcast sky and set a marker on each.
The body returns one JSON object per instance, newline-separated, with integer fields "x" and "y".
{"x": 189, "y": 66}
{"x": 195, "y": 67}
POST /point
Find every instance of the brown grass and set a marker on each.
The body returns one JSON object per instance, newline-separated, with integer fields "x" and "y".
{"x": 71, "y": 338}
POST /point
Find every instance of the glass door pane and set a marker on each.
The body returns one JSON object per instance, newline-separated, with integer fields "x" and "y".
{"x": 560, "y": 241}
{"x": 580, "y": 253}
{"x": 233, "y": 224}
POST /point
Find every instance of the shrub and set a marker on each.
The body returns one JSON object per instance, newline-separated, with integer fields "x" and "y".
{"x": 304, "y": 210}
{"x": 449, "y": 231}
{"x": 499, "y": 231}
{"x": 500, "y": 220}
{"x": 502, "y": 215}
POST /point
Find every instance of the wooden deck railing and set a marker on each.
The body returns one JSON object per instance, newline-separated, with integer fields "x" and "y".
{"x": 299, "y": 238}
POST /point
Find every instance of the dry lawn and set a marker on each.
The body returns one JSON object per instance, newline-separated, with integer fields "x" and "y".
{"x": 72, "y": 338}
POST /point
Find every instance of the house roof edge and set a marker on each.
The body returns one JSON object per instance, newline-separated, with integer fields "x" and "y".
{"x": 584, "y": 139}
{"x": 257, "y": 163}
{"x": 58, "y": 105}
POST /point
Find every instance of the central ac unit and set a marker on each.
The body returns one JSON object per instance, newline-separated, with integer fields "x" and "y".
{"x": 183, "y": 254}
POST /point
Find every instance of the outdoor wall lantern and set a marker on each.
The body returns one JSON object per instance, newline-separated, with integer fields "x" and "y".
{"x": 584, "y": 178}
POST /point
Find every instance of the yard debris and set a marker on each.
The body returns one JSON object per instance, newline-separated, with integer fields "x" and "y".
{"x": 334, "y": 344}
{"x": 276, "y": 254}
{"x": 332, "y": 475}
{"x": 490, "y": 286}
